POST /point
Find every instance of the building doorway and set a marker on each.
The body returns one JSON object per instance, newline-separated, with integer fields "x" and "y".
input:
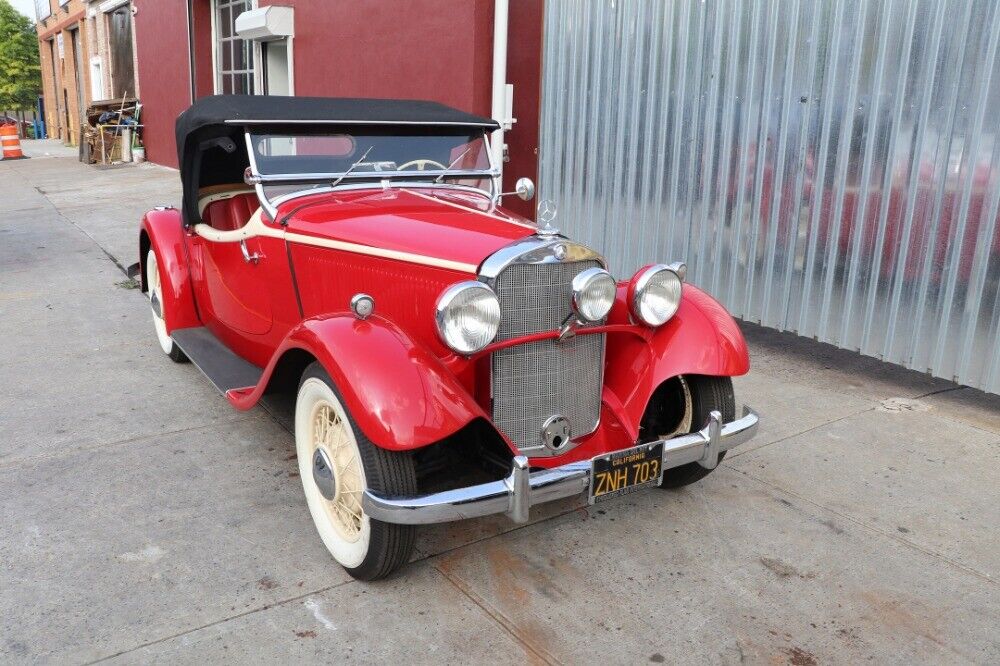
{"x": 74, "y": 40}
{"x": 56, "y": 126}
{"x": 277, "y": 70}
{"x": 122, "y": 55}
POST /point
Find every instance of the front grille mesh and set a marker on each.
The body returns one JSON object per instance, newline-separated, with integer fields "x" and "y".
{"x": 534, "y": 381}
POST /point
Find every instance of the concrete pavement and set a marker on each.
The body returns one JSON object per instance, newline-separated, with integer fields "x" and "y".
{"x": 142, "y": 520}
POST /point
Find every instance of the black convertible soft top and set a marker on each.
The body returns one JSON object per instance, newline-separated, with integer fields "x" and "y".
{"x": 215, "y": 125}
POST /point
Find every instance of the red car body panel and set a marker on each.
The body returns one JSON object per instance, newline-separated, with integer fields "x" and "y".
{"x": 249, "y": 306}
{"x": 162, "y": 230}
{"x": 401, "y": 395}
{"x": 433, "y": 226}
{"x": 701, "y": 339}
{"x": 403, "y": 386}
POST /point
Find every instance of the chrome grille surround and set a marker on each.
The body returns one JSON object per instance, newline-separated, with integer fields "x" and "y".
{"x": 535, "y": 381}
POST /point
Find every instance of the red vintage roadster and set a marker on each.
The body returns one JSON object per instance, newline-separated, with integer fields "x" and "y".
{"x": 448, "y": 358}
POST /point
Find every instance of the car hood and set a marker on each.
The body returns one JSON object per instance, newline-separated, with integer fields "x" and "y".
{"x": 438, "y": 224}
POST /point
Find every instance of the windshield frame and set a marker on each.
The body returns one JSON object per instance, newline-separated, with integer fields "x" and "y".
{"x": 384, "y": 179}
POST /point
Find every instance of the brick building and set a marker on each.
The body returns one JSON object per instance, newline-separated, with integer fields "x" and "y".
{"x": 62, "y": 44}
{"x": 87, "y": 51}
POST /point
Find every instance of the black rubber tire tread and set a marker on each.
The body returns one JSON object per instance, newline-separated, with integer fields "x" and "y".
{"x": 707, "y": 394}
{"x": 387, "y": 472}
{"x": 176, "y": 355}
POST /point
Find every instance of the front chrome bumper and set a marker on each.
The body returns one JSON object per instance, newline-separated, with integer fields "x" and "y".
{"x": 523, "y": 489}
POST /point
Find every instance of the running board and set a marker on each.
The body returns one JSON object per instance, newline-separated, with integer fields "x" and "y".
{"x": 223, "y": 368}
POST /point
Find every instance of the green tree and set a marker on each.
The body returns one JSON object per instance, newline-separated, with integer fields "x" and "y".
{"x": 20, "y": 73}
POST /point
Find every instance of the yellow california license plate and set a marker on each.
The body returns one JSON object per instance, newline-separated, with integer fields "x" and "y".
{"x": 622, "y": 472}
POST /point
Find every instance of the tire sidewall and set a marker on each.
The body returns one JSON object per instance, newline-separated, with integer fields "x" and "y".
{"x": 708, "y": 393}
{"x": 312, "y": 390}
{"x": 159, "y": 323}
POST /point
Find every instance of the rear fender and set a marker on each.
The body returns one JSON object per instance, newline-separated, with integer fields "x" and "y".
{"x": 163, "y": 231}
{"x": 400, "y": 394}
{"x": 701, "y": 339}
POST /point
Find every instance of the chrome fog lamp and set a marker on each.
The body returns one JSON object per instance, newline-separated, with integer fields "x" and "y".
{"x": 593, "y": 294}
{"x": 468, "y": 316}
{"x": 655, "y": 294}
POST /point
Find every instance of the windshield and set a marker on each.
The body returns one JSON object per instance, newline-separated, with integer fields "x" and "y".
{"x": 446, "y": 155}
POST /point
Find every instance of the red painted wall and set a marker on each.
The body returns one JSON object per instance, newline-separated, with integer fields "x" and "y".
{"x": 440, "y": 50}
{"x": 204, "y": 69}
{"x": 164, "y": 74}
{"x": 524, "y": 70}
{"x": 424, "y": 49}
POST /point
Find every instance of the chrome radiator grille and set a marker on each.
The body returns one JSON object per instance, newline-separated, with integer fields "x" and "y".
{"x": 534, "y": 381}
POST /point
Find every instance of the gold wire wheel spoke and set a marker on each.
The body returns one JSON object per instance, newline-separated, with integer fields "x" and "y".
{"x": 320, "y": 425}
{"x": 332, "y": 433}
{"x": 350, "y": 486}
{"x": 349, "y": 519}
{"x": 341, "y": 439}
{"x": 345, "y": 466}
{"x": 344, "y": 518}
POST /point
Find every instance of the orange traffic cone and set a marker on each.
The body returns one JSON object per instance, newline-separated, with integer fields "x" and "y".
{"x": 11, "y": 144}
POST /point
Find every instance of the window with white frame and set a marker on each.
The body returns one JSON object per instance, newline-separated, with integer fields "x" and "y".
{"x": 43, "y": 9}
{"x": 233, "y": 55}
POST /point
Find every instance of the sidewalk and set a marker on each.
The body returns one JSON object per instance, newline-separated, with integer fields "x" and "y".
{"x": 143, "y": 520}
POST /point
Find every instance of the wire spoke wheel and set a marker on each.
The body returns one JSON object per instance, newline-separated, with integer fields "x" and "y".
{"x": 337, "y": 464}
{"x": 332, "y": 434}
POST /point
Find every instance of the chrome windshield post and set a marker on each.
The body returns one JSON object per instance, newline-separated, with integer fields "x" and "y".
{"x": 496, "y": 180}
{"x": 254, "y": 178}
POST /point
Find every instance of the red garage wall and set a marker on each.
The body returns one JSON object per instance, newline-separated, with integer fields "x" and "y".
{"x": 424, "y": 49}
{"x": 164, "y": 73}
{"x": 440, "y": 50}
{"x": 524, "y": 70}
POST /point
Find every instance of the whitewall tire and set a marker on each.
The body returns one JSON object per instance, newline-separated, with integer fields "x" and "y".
{"x": 154, "y": 285}
{"x": 337, "y": 463}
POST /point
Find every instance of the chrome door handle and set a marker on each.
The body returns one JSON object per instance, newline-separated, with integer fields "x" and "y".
{"x": 247, "y": 257}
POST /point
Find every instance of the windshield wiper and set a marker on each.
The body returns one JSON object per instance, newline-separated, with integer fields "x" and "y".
{"x": 444, "y": 173}
{"x": 353, "y": 166}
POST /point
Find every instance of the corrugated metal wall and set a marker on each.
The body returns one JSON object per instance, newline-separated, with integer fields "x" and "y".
{"x": 829, "y": 168}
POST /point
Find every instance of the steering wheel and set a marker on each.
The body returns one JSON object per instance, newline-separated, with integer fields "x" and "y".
{"x": 421, "y": 165}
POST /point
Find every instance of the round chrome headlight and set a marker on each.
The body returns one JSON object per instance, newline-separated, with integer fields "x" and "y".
{"x": 656, "y": 294}
{"x": 593, "y": 294}
{"x": 468, "y": 316}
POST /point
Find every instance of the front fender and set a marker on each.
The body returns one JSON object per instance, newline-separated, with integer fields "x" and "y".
{"x": 401, "y": 395}
{"x": 163, "y": 231}
{"x": 701, "y": 339}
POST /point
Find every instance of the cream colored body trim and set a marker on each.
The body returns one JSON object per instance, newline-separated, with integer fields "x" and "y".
{"x": 469, "y": 210}
{"x": 256, "y": 227}
{"x": 379, "y": 252}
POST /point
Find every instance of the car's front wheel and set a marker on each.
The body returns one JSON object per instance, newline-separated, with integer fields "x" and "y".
{"x": 698, "y": 396}
{"x": 337, "y": 464}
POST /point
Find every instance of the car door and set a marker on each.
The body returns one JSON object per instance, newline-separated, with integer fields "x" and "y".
{"x": 234, "y": 285}
{"x": 233, "y": 256}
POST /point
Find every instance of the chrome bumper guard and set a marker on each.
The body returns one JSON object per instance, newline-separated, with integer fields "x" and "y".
{"x": 523, "y": 489}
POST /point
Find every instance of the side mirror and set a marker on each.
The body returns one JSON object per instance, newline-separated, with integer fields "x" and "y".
{"x": 524, "y": 188}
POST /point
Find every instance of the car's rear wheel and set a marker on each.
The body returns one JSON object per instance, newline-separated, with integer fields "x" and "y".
{"x": 337, "y": 464}
{"x": 700, "y": 396}
{"x": 155, "y": 290}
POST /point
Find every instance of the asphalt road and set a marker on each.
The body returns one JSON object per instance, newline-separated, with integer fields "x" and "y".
{"x": 142, "y": 520}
